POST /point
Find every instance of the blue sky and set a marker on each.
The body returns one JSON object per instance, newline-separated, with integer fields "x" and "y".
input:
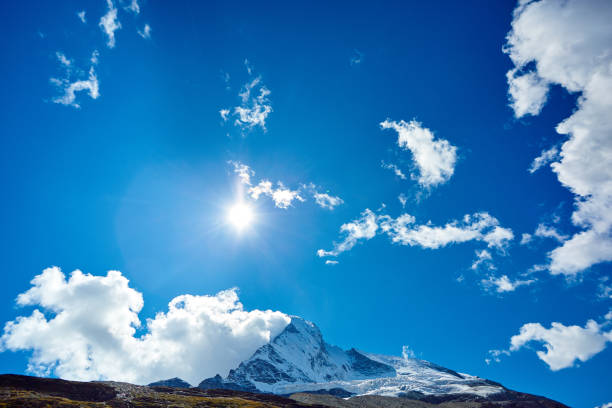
{"x": 140, "y": 178}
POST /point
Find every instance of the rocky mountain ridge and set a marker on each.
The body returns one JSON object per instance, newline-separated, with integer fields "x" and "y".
{"x": 299, "y": 359}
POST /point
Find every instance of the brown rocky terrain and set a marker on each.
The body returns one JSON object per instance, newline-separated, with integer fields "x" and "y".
{"x": 20, "y": 391}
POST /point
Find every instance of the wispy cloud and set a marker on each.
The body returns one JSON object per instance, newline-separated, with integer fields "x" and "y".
{"x": 255, "y": 105}
{"x": 145, "y": 32}
{"x": 403, "y": 230}
{"x": 503, "y": 284}
{"x": 133, "y": 7}
{"x": 109, "y": 23}
{"x": 81, "y": 16}
{"x": 357, "y": 58}
{"x": 544, "y": 158}
{"x": 394, "y": 168}
{"x": 282, "y": 196}
{"x": 75, "y": 81}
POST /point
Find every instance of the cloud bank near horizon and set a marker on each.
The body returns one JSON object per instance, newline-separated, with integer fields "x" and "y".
{"x": 87, "y": 328}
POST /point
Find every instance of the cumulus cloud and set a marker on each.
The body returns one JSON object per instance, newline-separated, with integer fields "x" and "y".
{"x": 503, "y": 284}
{"x": 403, "y": 230}
{"x": 393, "y": 167}
{"x": 145, "y": 32}
{"x": 109, "y": 23}
{"x": 563, "y": 345}
{"x": 84, "y": 328}
{"x": 568, "y": 43}
{"x": 81, "y": 16}
{"x": 527, "y": 92}
{"x": 434, "y": 158}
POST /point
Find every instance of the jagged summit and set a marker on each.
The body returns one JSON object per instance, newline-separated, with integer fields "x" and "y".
{"x": 299, "y": 359}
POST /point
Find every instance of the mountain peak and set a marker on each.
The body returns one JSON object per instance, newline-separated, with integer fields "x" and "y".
{"x": 299, "y": 359}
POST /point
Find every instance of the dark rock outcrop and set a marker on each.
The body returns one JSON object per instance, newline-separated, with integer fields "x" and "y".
{"x": 171, "y": 382}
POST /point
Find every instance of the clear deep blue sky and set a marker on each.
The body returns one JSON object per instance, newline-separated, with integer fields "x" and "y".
{"x": 137, "y": 179}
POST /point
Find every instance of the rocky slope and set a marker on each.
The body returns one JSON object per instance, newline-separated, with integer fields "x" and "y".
{"x": 17, "y": 391}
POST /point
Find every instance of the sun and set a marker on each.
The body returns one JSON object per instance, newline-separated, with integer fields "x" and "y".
{"x": 240, "y": 215}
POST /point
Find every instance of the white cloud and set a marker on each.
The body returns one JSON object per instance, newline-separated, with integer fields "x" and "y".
{"x": 282, "y": 196}
{"x": 483, "y": 257}
{"x": 503, "y": 284}
{"x": 133, "y": 7}
{"x": 71, "y": 88}
{"x": 254, "y": 107}
{"x": 94, "y": 57}
{"x": 605, "y": 289}
{"x": 476, "y": 227}
{"x": 62, "y": 59}
{"x": 402, "y": 230}
{"x": 495, "y": 355}
{"x": 224, "y": 114}
{"x": 363, "y": 228}
{"x": 563, "y": 344}
{"x": 434, "y": 158}
{"x": 244, "y": 172}
{"x": 407, "y": 353}
{"x": 608, "y": 405}
{"x": 84, "y": 328}
{"x": 402, "y": 199}
{"x": 331, "y": 262}
{"x": 546, "y": 231}
{"x": 527, "y": 93}
{"x": 569, "y": 43}
{"x": 327, "y": 201}
{"x": 394, "y": 168}
{"x": 544, "y": 158}
{"x": 526, "y": 238}
{"x": 109, "y": 23}
{"x": 146, "y": 31}
{"x": 248, "y": 66}
{"x": 81, "y": 16}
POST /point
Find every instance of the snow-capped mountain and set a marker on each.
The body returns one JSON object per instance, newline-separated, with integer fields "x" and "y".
{"x": 298, "y": 359}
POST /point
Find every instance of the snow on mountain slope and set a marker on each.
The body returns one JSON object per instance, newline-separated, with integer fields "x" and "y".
{"x": 298, "y": 359}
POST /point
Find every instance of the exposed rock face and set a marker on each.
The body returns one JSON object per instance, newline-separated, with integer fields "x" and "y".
{"x": 171, "y": 382}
